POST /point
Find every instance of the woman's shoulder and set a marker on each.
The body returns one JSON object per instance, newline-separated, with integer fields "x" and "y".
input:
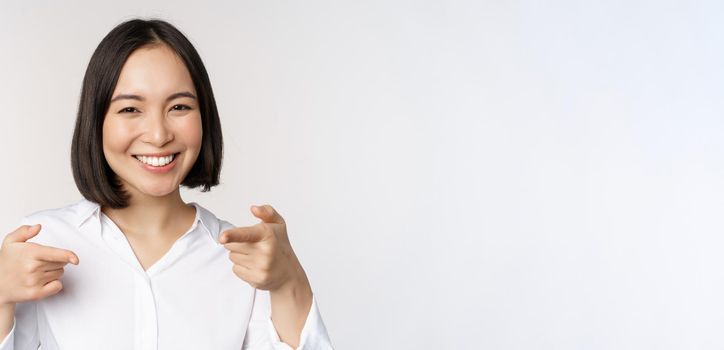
{"x": 72, "y": 213}
{"x": 60, "y": 224}
{"x": 214, "y": 224}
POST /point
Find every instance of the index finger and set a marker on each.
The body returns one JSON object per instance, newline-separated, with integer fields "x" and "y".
{"x": 242, "y": 234}
{"x": 52, "y": 254}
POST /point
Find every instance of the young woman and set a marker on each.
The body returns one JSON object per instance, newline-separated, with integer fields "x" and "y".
{"x": 150, "y": 271}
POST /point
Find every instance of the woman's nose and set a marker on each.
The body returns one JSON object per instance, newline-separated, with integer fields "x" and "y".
{"x": 157, "y": 131}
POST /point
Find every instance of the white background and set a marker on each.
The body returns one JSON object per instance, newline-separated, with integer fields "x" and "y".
{"x": 458, "y": 175}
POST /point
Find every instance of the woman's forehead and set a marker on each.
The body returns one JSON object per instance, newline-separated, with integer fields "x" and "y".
{"x": 154, "y": 72}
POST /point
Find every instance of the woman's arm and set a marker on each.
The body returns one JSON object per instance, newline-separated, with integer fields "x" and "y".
{"x": 264, "y": 258}
{"x": 290, "y": 306}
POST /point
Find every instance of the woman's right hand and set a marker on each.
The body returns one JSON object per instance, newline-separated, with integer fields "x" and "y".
{"x": 30, "y": 271}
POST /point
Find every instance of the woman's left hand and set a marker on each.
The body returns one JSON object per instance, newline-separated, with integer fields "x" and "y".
{"x": 263, "y": 257}
{"x": 262, "y": 254}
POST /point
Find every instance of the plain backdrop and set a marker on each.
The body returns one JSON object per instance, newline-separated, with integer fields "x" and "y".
{"x": 454, "y": 174}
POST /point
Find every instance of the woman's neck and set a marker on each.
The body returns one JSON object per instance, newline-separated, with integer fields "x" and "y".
{"x": 148, "y": 215}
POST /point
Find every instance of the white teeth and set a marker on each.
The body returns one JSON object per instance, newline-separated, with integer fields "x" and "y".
{"x": 156, "y": 161}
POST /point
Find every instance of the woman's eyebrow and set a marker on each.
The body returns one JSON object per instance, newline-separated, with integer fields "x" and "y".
{"x": 141, "y": 98}
{"x": 180, "y": 94}
{"x": 127, "y": 97}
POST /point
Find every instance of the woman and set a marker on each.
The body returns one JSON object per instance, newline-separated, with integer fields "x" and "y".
{"x": 149, "y": 270}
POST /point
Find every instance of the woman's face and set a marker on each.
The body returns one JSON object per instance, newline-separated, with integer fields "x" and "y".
{"x": 152, "y": 130}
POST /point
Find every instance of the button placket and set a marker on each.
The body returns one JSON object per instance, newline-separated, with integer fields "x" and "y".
{"x": 146, "y": 331}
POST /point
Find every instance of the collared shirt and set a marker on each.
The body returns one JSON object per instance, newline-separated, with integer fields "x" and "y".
{"x": 189, "y": 299}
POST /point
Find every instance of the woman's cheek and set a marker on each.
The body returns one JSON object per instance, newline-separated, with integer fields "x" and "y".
{"x": 192, "y": 132}
{"x": 113, "y": 136}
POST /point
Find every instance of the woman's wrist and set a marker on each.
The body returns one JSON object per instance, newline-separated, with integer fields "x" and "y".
{"x": 7, "y": 319}
{"x": 297, "y": 282}
{"x": 294, "y": 294}
{"x": 7, "y": 310}
{"x": 4, "y": 301}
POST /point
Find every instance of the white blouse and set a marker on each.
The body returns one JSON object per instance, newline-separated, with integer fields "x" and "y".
{"x": 189, "y": 299}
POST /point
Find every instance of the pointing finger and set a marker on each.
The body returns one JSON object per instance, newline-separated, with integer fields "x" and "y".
{"x": 242, "y": 234}
{"x": 51, "y": 254}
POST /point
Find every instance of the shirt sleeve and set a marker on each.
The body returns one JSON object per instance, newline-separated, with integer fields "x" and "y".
{"x": 262, "y": 335}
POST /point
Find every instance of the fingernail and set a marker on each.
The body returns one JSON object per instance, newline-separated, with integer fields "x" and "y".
{"x": 74, "y": 260}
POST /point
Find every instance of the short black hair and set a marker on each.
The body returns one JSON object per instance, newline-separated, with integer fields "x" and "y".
{"x": 94, "y": 178}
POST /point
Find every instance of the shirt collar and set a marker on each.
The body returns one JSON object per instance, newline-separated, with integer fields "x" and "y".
{"x": 208, "y": 221}
{"x": 87, "y": 209}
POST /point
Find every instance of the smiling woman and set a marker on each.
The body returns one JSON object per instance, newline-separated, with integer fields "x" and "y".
{"x": 150, "y": 76}
{"x": 153, "y": 272}
{"x": 154, "y": 128}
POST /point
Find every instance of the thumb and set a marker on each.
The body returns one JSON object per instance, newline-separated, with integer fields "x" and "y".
{"x": 267, "y": 214}
{"x": 259, "y": 211}
{"x": 22, "y": 234}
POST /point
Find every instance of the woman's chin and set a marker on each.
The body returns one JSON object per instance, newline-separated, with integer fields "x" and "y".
{"x": 158, "y": 191}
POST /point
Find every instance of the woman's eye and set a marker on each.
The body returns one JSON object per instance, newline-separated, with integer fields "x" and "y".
{"x": 128, "y": 110}
{"x": 180, "y": 107}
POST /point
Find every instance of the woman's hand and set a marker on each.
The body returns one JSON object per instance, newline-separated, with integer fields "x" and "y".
{"x": 263, "y": 257}
{"x": 262, "y": 254}
{"x": 30, "y": 271}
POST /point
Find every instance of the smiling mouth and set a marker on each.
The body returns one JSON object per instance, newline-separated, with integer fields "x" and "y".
{"x": 156, "y": 161}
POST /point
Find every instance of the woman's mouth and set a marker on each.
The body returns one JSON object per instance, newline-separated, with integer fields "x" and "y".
{"x": 156, "y": 161}
{"x": 157, "y": 164}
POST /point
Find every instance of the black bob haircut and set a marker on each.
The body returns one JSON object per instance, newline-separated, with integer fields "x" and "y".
{"x": 94, "y": 178}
